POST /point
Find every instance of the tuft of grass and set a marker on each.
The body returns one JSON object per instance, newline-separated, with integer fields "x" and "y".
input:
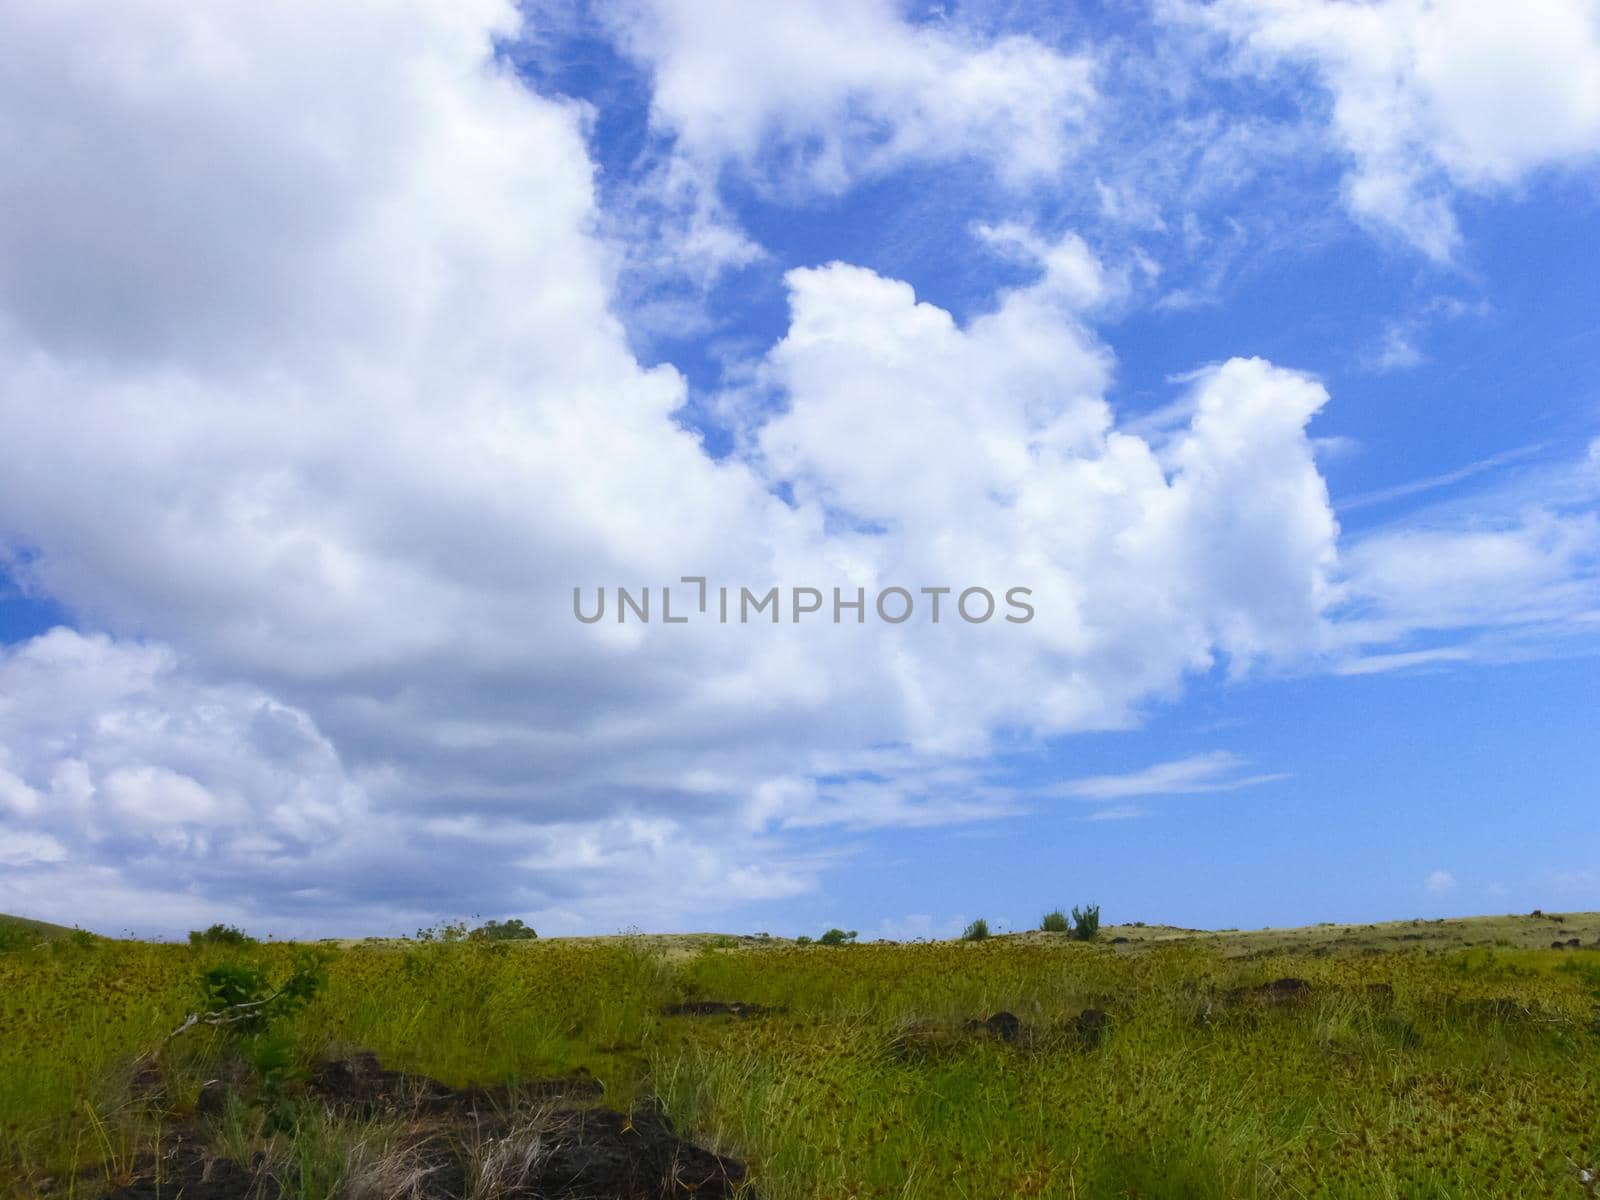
{"x": 976, "y": 931}
{"x": 1054, "y": 921}
{"x": 1086, "y": 922}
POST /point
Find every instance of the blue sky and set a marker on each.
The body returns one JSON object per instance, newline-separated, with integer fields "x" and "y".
{"x": 1259, "y": 339}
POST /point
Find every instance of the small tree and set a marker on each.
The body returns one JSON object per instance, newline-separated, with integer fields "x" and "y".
{"x": 237, "y": 997}
{"x": 503, "y": 931}
{"x": 220, "y": 935}
{"x": 1054, "y": 921}
{"x": 837, "y": 937}
{"x": 975, "y": 932}
{"x": 1086, "y": 922}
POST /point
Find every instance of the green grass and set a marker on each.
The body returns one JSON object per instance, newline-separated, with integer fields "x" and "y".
{"x": 1472, "y": 1073}
{"x": 25, "y": 931}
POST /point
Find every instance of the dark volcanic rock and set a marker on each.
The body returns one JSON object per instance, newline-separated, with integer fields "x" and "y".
{"x": 1006, "y": 1026}
{"x": 583, "y": 1152}
{"x": 1090, "y": 1026}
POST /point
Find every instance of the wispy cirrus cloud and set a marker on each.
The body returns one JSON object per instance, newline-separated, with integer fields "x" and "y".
{"x": 1218, "y": 771}
{"x": 1416, "y": 487}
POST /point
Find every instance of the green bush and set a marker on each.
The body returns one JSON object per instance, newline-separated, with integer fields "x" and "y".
{"x": 1086, "y": 922}
{"x": 1054, "y": 921}
{"x": 15, "y": 937}
{"x": 975, "y": 932}
{"x": 239, "y": 997}
{"x": 837, "y": 937}
{"x": 803, "y": 940}
{"x": 220, "y": 935}
{"x": 449, "y": 931}
{"x": 503, "y": 931}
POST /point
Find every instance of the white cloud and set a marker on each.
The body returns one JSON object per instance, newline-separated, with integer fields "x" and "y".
{"x": 1218, "y": 771}
{"x": 811, "y": 98}
{"x": 1432, "y": 482}
{"x": 1431, "y": 97}
{"x": 1396, "y": 352}
{"x": 1439, "y": 882}
{"x": 1536, "y": 567}
{"x": 314, "y": 402}
{"x": 1506, "y": 572}
{"x": 830, "y": 91}
{"x": 1378, "y": 664}
{"x": 1117, "y": 812}
{"x": 21, "y": 849}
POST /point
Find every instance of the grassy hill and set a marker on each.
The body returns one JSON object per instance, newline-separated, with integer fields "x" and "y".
{"x": 1511, "y": 931}
{"x": 25, "y": 929}
{"x": 1533, "y": 931}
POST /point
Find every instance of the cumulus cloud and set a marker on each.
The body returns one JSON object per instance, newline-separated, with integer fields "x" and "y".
{"x": 831, "y": 91}
{"x": 1439, "y": 882}
{"x": 811, "y": 98}
{"x": 314, "y": 409}
{"x": 1429, "y": 98}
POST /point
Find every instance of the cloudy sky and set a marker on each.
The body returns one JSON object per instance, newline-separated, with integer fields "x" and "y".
{"x": 339, "y": 342}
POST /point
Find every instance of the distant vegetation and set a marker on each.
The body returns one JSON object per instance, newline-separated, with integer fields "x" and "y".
{"x": 1086, "y": 922}
{"x": 220, "y": 935}
{"x": 833, "y": 937}
{"x": 20, "y": 933}
{"x": 1054, "y": 921}
{"x": 503, "y": 931}
{"x": 976, "y": 931}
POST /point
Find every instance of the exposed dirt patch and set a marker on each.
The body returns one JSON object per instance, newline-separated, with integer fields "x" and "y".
{"x": 1090, "y": 1026}
{"x": 541, "y": 1138}
{"x": 191, "y": 1176}
{"x": 920, "y": 1041}
{"x": 1279, "y": 993}
{"x": 1381, "y": 995}
{"x": 718, "y": 1008}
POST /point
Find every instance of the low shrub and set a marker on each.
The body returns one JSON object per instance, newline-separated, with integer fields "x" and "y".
{"x": 1086, "y": 922}
{"x": 238, "y": 996}
{"x": 1054, "y": 921}
{"x": 837, "y": 937}
{"x": 15, "y": 937}
{"x": 975, "y": 932}
{"x": 220, "y": 935}
{"x": 238, "y": 1001}
{"x": 503, "y": 931}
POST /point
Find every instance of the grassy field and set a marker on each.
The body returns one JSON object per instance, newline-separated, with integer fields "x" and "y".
{"x": 1410, "y": 1059}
